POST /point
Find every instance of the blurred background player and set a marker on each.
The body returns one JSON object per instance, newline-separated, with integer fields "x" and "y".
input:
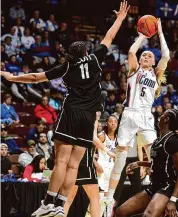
{"x": 106, "y": 163}
{"x": 142, "y": 83}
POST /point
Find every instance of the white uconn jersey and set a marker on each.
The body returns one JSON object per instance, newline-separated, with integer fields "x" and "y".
{"x": 141, "y": 88}
{"x": 111, "y": 145}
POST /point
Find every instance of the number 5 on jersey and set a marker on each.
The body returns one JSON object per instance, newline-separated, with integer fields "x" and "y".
{"x": 84, "y": 71}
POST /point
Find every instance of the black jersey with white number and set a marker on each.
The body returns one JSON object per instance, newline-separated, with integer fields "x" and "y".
{"x": 162, "y": 169}
{"x": 82, "y": 80}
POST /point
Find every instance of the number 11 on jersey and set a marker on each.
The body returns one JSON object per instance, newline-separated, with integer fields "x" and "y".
{"x": 84, "y": 71}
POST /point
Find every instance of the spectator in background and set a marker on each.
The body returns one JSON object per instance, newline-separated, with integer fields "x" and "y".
{"x": 58, "y": 50}
{"x": 43, "y": 147}
{"x": 45, "y": 64}
{"x": 33, "y": 133}
{"x": 28, "y": 155}
{"x": 10, "y": 49}
{"x": 27, "y": 39}
{"x": 121, "y": 97}
{"x": 4, "y": 56}
{"x": 76, "y": 35}
{"x": 108, "y": 85}
{"x": 63, "y": 34}
{"x": 17, "y": 11}
{"x": 172, "y": 94}
{"x": 118, "y": 110}
{"x": 6, "y": 164}
{"x": 46, "y": 39}
{"x": 167, "y": 106}
{"x": 55, "y": 99}
{"x": 34, "y": 171}
{"x": 110, "y": 104}
{"x": 122, "y": 70}
{"x": 25, "y": 92}
{"x": 13, "y": 65}
{"x": 3, "y": 25}
{"x": 15, "y": 41}
{"x": 11, "y": 143}
{"x": 8, "y": 113}
{"x": 51, "y": 24}
{"x": 39, "y": 49}
{"x": 38, "y": 23}
{"x": 19, "y": 28}
{"x": 45, "y": 112}
{"x": 154, "y": 49}
{"x": 49, "y": 136}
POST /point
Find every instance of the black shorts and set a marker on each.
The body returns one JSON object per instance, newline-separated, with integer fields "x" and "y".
{"x": 75, "y": 127}
{"x": 164, "y": 189}
{"x": 86, "y": 176}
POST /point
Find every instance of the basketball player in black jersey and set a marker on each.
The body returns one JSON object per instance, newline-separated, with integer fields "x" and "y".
{"x": 74, "y": 127}
{"x": 160, "y": 198}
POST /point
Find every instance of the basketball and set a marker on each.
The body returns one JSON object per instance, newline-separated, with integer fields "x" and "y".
{"x": 147, "y": 25}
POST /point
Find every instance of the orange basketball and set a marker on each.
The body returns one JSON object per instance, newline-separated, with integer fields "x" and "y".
{"x": 147, "y": 25}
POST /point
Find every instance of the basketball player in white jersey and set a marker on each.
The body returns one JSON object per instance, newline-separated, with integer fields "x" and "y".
{"x": 108, "y": 138}
{"x": 142, "y": 84}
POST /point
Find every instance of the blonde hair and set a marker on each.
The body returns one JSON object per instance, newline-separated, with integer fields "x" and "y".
{"x": 161, "y": 80}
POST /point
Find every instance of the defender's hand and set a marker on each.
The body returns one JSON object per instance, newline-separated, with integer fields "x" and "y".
{"x": 122, "y": 13}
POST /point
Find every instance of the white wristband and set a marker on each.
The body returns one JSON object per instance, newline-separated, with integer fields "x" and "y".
{"x": 173, "y": 199}
{"x": 106, "y": 150}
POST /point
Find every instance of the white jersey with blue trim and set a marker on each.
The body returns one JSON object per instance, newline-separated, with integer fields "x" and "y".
{"x": 141, "y": 88}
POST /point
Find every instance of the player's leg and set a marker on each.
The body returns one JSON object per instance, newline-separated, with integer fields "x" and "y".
{"x": 135, "y": 205}
{"x": 92, "y": 191}
{"x": 126, "y": 137}
{"x": 70, "y": 199}
{"x": 72, "y": 170}
{"x": 157, "y": 206}
{"x": 62, "y": 153}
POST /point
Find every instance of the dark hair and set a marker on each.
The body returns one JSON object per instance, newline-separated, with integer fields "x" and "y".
{"x": 106, "y": 127}
{"x": 77, "y": 50}
{"x": 35, "y": 163}
{"x": 173, "y": 119}
{"x": 7, "y": 96}
{"x": 39, "y": 122}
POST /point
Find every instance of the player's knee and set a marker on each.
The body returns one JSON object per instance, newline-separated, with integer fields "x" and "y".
{"x": 120, "y": 212}
{"x": 73, "y": 164}
{"x": 61, "y": 161}
{"x": 148, "y": 214}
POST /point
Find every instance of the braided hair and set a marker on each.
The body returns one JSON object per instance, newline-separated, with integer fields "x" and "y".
{"x": 173, "y": 119}
{"x": 77, "y": 50}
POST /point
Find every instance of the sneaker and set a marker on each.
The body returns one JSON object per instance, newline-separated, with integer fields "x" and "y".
{"x": 109, "y": 208}
{"x": 59, "y": 211}
{"x": 103, "y": 208}
{"x": 44, "y": 211}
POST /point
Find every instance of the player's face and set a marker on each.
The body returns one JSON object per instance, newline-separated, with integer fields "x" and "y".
{"x": 147, "y": 59}
{"x": 112, "y": 123}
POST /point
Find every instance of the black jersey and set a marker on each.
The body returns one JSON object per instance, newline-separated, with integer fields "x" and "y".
{"x": 87, "y": 160}
{"x": 162, "y": 168}
{"x": 82, "y": 80}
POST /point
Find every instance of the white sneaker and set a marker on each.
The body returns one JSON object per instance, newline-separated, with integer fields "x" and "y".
{"x": 59, "y": 211}
{"x": 109, "y": 208}
{"x": 44, "y": 211}
{"x": 103, "y": 208}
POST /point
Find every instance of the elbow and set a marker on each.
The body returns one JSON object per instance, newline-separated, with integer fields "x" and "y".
{"x": 34, "y": 78}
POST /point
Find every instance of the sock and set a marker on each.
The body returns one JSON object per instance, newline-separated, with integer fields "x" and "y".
{"x": 110, "y": 194}
{"x": 50, "y": 198}
{"x": 60, "y": 200}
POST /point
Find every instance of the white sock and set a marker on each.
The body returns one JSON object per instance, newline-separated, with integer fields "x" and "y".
{"x": 53, "y": 194}
{"x": 61, "y": 197}
{"x": 110, "y": 194}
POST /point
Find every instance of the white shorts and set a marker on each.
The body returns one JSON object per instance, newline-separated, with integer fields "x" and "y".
{"x": 103, "y": 179}
{"x": 136, "y": 121}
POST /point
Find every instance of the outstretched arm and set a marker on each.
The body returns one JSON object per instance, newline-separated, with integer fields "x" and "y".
{"x": 121, "y": 15}
{"x": 56, "y": 72}
{"x": 161, "y": 67}
{"x": 132, "y": 59}
{"x": 28, "y": 78}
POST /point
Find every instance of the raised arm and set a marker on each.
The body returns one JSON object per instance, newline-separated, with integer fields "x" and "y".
{"x": 162, "y": 65}
{"x": 132, "y": 59}
{"x": 28, "y": 78}
{"x": 111, "y": 33}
